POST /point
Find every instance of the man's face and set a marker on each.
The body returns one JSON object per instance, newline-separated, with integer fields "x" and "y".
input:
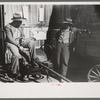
{"x": 66, "y": 26}
{"x": 18, "y": 23}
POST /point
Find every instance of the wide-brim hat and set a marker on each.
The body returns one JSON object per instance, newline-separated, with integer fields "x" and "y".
{"x": 68, "y": 21}
{"x": 17, "y": 17}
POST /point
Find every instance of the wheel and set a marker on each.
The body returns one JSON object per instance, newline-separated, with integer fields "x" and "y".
{"x": 94, "y": 74}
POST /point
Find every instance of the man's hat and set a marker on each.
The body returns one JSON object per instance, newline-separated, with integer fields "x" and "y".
{"x": 68, "y": 21}
{"x": 17, "y": 17}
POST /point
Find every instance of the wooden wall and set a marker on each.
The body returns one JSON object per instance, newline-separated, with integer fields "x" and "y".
{"x": 33, "y": 13}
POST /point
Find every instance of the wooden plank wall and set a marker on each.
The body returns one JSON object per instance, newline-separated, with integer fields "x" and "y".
{"x": 32, "y": 12}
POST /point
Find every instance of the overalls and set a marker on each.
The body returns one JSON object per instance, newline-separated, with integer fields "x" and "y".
{"x": 28, "y": 43}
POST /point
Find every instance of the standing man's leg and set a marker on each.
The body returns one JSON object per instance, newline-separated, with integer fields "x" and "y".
{"x": 59, "y": 47}
{"x": 65, "y": 59}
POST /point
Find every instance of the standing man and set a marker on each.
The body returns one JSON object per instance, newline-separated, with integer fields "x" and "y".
{"x": 63, "y": 42}
{"x": 14, "y": 31}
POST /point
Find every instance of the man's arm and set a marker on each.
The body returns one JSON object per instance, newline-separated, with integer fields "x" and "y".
{"x": 9, "y": 37}
{"x": 81, "y": 30}
{"x": 22, "y": 35}
{"x": 58, "y": 34}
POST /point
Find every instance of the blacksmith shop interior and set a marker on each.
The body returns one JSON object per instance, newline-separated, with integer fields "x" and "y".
{"x": 41, "y": 23}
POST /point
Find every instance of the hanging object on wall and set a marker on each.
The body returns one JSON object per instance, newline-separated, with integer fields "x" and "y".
{"x": 25, "y": 14}
{"x": 25, "y": 11}
{"x": 41, "y": 14}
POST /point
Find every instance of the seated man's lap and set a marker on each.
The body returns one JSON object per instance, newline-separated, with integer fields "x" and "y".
{"x": 27, "y": 41}
{"x": 14, "y": 50}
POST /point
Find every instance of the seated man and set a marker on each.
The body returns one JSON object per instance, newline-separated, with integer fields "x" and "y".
{"x": 14, "y": 31}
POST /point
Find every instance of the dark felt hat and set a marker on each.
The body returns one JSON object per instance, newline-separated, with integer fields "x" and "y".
{"x": 68, "y": 21}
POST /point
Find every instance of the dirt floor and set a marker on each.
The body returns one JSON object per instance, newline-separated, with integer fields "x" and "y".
{"x": 79, "y": 67}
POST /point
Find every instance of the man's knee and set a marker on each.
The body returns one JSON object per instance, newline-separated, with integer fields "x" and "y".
{"x": 32, "y": 43}
{"x": 17, "y": 55}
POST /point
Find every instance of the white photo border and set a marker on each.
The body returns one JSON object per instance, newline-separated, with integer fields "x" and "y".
{"x": 50, "y": 90}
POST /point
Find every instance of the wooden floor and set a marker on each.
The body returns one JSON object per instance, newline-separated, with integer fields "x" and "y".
{"x": 5, "y": 79}
{"x": 43, "y": 80}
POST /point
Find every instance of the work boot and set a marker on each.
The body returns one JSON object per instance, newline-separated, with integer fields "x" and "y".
{"x": 34, "y": 64}
{"x": 13, "y": 77}
{"x": 37, "y": 60}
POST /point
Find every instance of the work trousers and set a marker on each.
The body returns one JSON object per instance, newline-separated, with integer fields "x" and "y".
{"x": 28, "y": 43}
{"x": 62, "y": 58}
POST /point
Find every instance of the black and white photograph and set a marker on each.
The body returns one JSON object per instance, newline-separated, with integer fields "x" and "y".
{"x": 49, "y": 43}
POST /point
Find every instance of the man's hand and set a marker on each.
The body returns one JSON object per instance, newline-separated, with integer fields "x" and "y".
{"x": 21, "y": 40}
{"x": 20, "y": 48}
{"x": 33, "y": 38}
